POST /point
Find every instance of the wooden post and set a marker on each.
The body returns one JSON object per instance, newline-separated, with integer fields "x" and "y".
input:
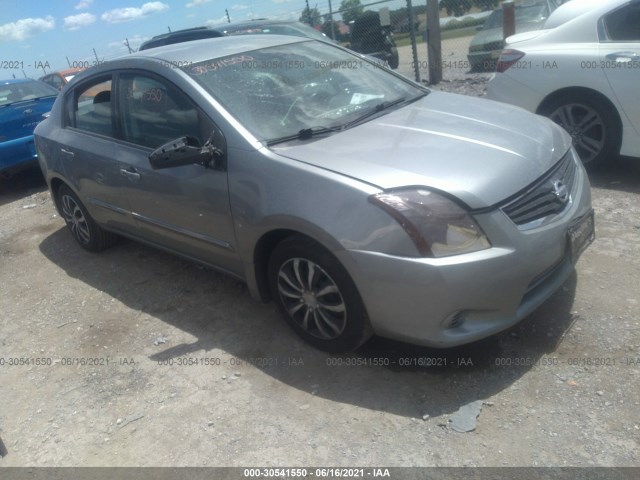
{"x": 508, "y": 19}
{"x": 434, "y": 42}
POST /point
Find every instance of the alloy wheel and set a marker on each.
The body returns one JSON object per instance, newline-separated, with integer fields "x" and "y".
{"x": 75, "y": 218}
{"x": 586, "y": 127}
{"x": 312, "y": 298}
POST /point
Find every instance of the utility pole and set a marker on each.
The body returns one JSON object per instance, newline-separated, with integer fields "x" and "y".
{"x": 434, "y": 42}
{"x": 333, "y": 28}
{"x": 228, "y": 18}
{"x": 309, "y": 19}
{"x": 126, "y": 44}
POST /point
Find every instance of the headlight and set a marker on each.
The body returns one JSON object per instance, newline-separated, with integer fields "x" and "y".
{"x": 438, "y": 226}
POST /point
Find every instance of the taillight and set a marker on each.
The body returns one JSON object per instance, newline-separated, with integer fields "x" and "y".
{"x": 507, "y": 59}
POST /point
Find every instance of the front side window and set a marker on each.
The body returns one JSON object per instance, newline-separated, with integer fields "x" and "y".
{"x": 90, "y": 108}
{"x": 153, "y": 113}
{"x": 623, "y": 25}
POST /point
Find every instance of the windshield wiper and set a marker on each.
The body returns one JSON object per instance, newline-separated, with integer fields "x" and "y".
{"x": 382, "y": 106}
{"x": 304, "y": 134}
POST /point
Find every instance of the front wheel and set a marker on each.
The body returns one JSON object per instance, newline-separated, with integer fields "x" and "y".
{"x": 592, "y": 124}
{"x": 316, "y": 296}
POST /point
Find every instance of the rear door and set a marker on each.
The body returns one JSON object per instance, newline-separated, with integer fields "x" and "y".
{"x": 87, "y": 149}
{"x": 620, "y": 57}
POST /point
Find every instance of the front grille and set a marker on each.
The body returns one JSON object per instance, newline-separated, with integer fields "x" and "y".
{"x": 549, "y": 195}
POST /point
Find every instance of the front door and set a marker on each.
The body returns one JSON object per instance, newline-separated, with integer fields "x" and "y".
{"x": 186, "y": 208}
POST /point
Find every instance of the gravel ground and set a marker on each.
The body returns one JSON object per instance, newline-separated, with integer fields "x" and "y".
{"x": 137, "y": 358}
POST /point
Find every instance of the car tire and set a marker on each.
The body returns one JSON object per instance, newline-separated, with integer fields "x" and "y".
{"x": 316, "y": 296}
{"x": 82, "y": 226}
{"x": 593, "y": 124}
{"x": 394, "y": 59}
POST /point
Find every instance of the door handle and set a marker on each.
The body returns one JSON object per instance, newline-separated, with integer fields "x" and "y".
{"x": 67, "y": 152}
{"x": 130, "y": 173}
{"x": 622, "y": 57}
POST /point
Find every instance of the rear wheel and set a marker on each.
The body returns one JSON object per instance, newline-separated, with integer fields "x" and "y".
{"x": 83, "y": 228}
{"x": 592, "y": 123}
{"x": 316, "y": 296}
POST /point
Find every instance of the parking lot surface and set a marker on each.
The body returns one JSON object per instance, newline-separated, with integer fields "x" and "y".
{"x": 134, "y": 357}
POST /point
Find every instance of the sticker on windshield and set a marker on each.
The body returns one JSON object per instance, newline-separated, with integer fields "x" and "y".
{"x": 359, "y": 98}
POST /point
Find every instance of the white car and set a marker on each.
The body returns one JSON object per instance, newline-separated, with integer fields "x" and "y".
{"x": 582, "y": 71}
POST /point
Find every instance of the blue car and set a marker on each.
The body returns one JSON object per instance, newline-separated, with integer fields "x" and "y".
{"x": 22, "y": 104}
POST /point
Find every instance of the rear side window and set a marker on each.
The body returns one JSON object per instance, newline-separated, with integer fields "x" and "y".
{"x": 90, "y": 108}
{"x": 623, "y": 25}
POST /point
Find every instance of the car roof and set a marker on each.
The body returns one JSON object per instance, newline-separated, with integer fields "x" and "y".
{"x": 178, "y": 36}
{"x": 251, "y": 23}
{"x": 68, "y": 71}
{"x": 575, "y": 8}
{"x": 64, "y": 72}
{"x": 209, "y": 48}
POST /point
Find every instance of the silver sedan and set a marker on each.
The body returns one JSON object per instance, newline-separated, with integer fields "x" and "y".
{"x": 360, "y": 202}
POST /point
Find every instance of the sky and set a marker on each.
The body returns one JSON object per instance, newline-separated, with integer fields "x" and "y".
{"x": 48, "y": 35}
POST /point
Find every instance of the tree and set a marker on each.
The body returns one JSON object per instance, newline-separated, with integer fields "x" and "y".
{"x": 310, "y": 16}
{"x": 456, "y": 7}
{"x": 326, "y": 29}
{"x": 350, "y": 10}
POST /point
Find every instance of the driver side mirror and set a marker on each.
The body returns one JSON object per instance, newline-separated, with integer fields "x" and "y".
{"x": 184, "y": 151}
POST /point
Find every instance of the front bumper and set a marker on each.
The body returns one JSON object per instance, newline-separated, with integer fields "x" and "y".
{"x": 460, "y": 299}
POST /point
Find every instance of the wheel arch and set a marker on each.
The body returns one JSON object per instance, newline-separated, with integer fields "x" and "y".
{"x": 588, "y": 93}
{"x": 265, "y": 246}
{"x": 55, "y": 185}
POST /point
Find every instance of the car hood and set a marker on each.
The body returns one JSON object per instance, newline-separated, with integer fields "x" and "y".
{"x": 478, "y": 150}
{"x": 18, "y": 119}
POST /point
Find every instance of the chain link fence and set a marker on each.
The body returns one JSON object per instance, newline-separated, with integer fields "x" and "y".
{"x": 398, "y": 32}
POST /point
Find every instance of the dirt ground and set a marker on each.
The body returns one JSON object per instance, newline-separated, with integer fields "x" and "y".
{"x": 134, "y": 357}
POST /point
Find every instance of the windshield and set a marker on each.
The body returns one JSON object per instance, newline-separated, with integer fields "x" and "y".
{"x": 279, "y": 91}
{"x": 19, "y": 92}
